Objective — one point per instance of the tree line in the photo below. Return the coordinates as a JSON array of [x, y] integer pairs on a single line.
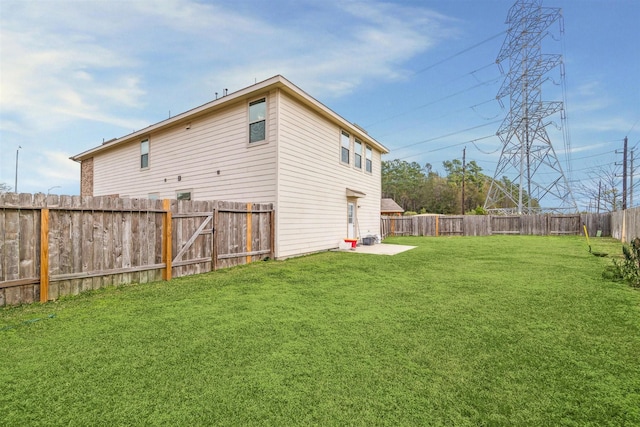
[[420, 189]]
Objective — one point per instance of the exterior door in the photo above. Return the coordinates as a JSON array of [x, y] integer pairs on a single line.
[[351, 220]]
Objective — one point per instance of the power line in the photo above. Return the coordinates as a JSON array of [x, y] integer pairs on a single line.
[[395, 130], [446, 147], [634, 125], [460, 53], [485, 83], [593, 155], [447, 135], [480, 83], [527, 149], [485, 152]]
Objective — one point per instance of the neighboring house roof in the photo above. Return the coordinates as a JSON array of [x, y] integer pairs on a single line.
[[278, 82], [390, 205]]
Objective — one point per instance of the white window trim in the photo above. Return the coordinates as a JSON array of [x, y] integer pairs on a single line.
[[348, 135], [147, 140], [368, 147], [266, 121], [356, 141]]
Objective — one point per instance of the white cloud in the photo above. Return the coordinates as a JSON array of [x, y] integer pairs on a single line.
[[56, 167], [589, 110], [40, 170], [121, 65], [588, 147], [607, 124], [371, 41], [208, 20], [46, 83], [76, 58]]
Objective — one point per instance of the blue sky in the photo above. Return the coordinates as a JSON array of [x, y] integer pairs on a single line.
[[420, 76]]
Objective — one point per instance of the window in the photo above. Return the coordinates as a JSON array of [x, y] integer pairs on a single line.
[[144, 154], [357, 154], [257, 120], [346, 145], [183, 195], [368, 162]]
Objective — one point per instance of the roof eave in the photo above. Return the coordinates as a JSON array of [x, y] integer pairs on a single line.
[[273, 82]]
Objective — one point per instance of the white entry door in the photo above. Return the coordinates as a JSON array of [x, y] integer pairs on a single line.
[[351, 220]]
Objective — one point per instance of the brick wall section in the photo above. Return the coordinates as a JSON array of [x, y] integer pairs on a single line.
[[86, 177]]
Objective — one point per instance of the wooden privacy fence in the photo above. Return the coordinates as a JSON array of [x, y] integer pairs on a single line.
[[52, 245], [625, 225], [485, 225]]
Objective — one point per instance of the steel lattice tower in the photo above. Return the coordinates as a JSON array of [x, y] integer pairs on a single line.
[[528, 161]]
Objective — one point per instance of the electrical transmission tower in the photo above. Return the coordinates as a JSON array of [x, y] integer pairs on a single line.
[[528, 173]]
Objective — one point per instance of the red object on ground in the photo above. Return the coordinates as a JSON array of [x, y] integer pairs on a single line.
[[352, 241]]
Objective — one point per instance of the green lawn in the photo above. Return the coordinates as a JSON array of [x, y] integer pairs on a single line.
[[500, 330]]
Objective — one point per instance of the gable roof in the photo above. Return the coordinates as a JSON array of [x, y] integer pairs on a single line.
[[390, 205], [243, 94]]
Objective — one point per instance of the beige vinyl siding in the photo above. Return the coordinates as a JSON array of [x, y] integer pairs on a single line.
[[312, 201], [213, 142], [298, 168]]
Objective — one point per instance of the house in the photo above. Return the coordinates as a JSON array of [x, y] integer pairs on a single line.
[[389, 207], [267, 143]]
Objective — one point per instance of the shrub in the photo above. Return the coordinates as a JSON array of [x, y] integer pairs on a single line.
[[479, 210], [628, 268]]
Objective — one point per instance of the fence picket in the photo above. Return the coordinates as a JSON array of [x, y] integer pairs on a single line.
[[101, 241], [485, 225]]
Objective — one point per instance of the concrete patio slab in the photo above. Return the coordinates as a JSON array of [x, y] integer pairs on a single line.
[[380, 249]]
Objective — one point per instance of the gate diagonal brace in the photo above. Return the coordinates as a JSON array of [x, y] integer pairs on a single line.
[[193, 238]]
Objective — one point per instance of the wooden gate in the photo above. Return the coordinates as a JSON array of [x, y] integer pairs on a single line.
[[231, 233], [507, 224], [564, 224], [192, 243], [51, 246], [451, 226]]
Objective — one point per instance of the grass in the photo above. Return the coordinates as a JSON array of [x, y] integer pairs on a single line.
[[511, 330]]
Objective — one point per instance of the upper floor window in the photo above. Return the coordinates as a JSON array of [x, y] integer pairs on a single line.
[[357, 154], [368, 162], [257, 120], [144, 154], [345, 147]]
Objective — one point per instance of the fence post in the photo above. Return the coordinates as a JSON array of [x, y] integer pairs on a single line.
[[437, 225], [272, 232], [214, 250], [166, 239], [44, 255], [249, 232]]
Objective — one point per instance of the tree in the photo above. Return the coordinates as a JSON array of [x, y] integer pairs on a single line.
[[439, 196], [402, 182], [602, 189], [475, 182], [4, 188], [417, 188]]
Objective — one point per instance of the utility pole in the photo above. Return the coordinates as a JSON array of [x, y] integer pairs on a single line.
[[624, 175], [631, 182], [464, 166], [15, 187]]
